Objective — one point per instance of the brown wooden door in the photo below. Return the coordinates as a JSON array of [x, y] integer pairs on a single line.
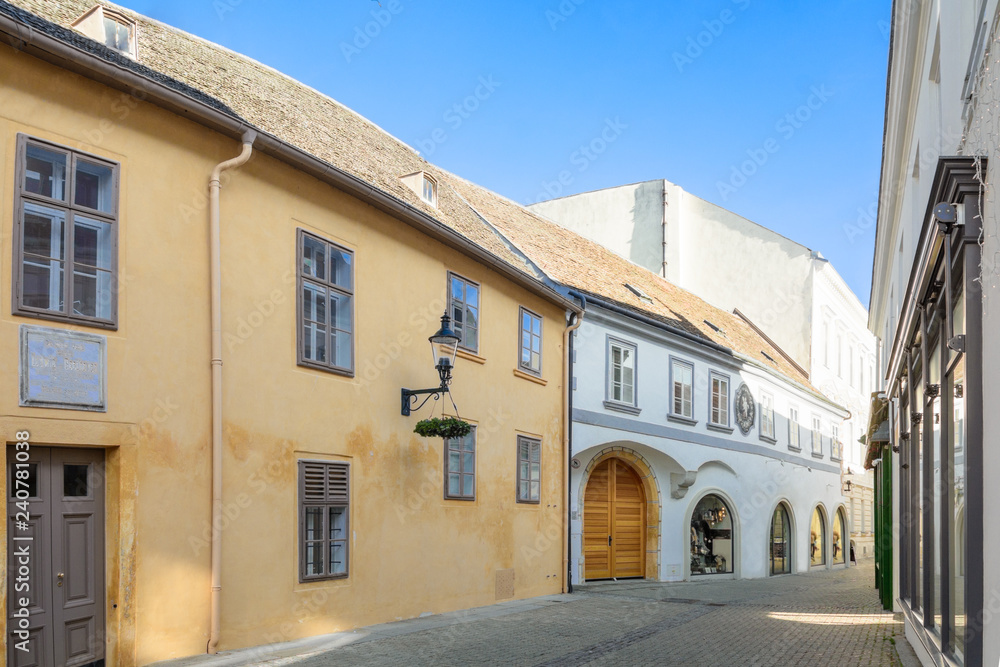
[[614, 523], [65, 508]]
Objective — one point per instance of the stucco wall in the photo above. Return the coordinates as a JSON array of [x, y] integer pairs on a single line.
[[411, 551], [752, 473]]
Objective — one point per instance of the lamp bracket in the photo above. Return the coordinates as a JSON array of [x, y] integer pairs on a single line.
[[409, 397]]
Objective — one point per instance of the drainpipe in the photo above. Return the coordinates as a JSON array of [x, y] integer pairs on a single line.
[[663, 227], [568, 434], [214, 186]]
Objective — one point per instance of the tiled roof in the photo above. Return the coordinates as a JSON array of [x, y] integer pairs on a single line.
[[320, 126]]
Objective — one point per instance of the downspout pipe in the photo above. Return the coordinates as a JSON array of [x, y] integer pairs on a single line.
[[575, 322], [214, 188]]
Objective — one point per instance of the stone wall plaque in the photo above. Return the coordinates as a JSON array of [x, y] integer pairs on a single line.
[[63, 369]]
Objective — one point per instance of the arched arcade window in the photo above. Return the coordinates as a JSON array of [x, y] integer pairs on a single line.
[[840, 538], [817, 538], [712, 536], [781, 541]]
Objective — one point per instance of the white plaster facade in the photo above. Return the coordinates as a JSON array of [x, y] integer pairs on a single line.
[[791, 293], [942, 100], [688, 460]]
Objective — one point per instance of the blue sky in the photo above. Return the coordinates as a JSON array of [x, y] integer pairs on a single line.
[[773, 110]]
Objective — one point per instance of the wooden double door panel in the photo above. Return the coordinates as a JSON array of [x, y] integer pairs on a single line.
[[55, 557], [614, 523]]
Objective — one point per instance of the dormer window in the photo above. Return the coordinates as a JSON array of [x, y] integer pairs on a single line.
[[110, 28], [429, 191]]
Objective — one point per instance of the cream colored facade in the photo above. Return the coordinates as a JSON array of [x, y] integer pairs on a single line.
[[411, 551]]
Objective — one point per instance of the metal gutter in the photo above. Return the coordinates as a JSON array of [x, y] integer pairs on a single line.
[[24, 38]]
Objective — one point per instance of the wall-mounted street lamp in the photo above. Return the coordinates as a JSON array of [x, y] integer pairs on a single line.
[[444, 346], [847, 487]]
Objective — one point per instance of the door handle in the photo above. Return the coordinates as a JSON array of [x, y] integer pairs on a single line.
[[59, 578], [609, 540]]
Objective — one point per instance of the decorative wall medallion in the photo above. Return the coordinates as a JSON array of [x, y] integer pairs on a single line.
[[746, 409]]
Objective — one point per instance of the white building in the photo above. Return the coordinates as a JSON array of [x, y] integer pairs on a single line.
[[737, 465], [788, 292], [933, 306]]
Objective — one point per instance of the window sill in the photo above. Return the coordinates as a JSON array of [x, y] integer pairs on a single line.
[[836, 458], [793, 448], [817, 456], [682, 420], [529, 503], [342, 372], [622, 407], [460, 499], [471, 356], [320, 580], [767, 438], [529, 377], [719, 427], [107, 325]]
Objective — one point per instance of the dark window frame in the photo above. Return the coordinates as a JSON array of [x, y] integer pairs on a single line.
[[533, 444], [70, 210], [522, 311], [328, 285], [327, 503], [462, 473], [459, 327]]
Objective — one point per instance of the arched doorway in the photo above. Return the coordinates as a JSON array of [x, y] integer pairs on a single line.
[[840, 537], [817, 538], [614, 522], [712, 537], [781, 541]]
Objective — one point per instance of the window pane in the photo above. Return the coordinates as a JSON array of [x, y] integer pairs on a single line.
[[342, 349], [314, 523], [457, 290], [523, 491], [535, 490], [454, 461], [341, 268], [469, 442], [92, 292], [75, 480], [340, 312], [454, 485], [43, 231], [472, 297], [94, 186], [468, 462], [313, 303], [45, 172], [338, 557], [313, 258], [44, 250], [956, 453], [536, 452], [536, 472], [314, 558], [314, 342], [467, 485], [523, 472], [92, 242], [536, 326], [338, 523]]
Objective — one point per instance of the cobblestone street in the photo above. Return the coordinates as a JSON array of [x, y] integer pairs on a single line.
[[814, 619]]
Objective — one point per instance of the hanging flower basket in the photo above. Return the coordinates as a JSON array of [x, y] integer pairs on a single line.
[[447, 427]]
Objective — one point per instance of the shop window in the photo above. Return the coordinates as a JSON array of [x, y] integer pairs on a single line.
[[324, 503], [817, 538], [781, 541], [66, 235], [840, 537], [712, 536]]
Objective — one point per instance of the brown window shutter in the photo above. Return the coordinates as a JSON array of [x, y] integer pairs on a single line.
[[313, 483], [337, 491]]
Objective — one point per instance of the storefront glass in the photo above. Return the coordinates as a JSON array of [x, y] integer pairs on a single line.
[[712, 536], [781, 541], [840, 537], [957, 466], [817, 538], [937, 485], [917, 434]]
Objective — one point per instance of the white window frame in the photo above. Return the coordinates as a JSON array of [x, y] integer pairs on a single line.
[[611, 401], [767, 417], [793, 428], [425, 182], [817, 436], [713, 376], [673, 413], [835, 445]]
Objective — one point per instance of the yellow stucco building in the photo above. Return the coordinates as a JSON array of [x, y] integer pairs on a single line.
[[339, 249]]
